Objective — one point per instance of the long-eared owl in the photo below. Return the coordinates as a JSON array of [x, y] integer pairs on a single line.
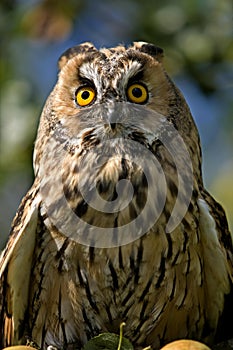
[[118, 225]]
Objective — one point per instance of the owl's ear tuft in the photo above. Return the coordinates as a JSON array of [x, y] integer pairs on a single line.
[[150, 49], [73, 51]]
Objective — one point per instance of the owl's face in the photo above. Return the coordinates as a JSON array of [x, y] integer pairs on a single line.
[[116, 75], [91, 81], [110, 110]]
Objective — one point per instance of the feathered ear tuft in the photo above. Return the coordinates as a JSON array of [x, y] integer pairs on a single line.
[[150, 49], [73, 51]]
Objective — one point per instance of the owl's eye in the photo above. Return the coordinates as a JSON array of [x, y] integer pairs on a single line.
[[85, 95], [137, 93]]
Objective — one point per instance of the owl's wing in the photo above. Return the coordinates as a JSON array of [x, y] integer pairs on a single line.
[[214, 223], [15, 267]]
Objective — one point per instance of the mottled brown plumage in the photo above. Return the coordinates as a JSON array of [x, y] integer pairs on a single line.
[[117, 225]]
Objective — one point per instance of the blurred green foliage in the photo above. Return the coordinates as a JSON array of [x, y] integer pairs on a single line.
[[197, 37]]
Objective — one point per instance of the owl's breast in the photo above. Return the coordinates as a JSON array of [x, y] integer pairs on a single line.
[[112, 195]]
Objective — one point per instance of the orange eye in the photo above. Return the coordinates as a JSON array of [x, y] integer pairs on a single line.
[[85, 95], [137, 93]]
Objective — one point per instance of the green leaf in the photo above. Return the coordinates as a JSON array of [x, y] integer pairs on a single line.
[[108, 341]]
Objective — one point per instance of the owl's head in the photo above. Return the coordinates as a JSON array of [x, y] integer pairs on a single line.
[[135, 74], [116, 86], [90, 79]]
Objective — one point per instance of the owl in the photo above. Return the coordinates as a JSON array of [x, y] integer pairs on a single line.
[[117, 226]]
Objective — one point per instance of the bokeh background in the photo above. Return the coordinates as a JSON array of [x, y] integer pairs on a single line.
[[197, 36]]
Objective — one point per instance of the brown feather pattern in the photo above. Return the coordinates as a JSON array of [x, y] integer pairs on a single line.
[[78, 261]]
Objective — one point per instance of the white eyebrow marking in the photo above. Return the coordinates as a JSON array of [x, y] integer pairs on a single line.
[[89, 70], [131, 70], [110, 74]]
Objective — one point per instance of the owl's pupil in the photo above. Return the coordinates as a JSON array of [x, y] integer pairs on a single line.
[[137, 92], [85, 95]]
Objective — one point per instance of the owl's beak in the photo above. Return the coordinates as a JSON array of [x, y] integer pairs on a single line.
[[112, 117], [113, 126]]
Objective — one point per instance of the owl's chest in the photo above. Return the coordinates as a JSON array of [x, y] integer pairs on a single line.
[[78, 292]]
